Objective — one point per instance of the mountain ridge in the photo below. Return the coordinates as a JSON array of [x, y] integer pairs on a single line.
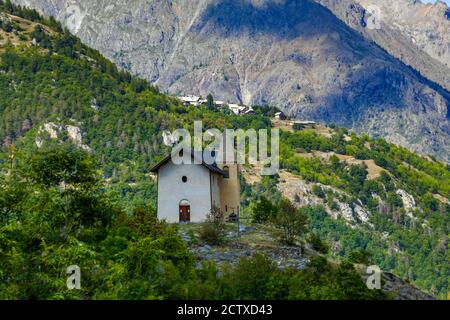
[[293, 54], [399, 37]]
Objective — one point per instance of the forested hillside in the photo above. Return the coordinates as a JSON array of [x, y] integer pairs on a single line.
[[78, 138], [314, 59]]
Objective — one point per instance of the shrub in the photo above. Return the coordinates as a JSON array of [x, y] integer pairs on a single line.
[[360, 256], [256, 278], [213, 229], [264, 211], [298, 126], [334, 206], [317, 243], [145, 222], [291, 220], [318, 191]]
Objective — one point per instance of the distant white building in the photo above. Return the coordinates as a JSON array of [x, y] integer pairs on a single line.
[[305, 123], [237, 109], [280, 116], [191, 100], [188, 192], [249, 110]]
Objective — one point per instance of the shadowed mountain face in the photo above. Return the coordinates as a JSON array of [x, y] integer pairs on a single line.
[[414, 32], [294, 54], [282, 20]]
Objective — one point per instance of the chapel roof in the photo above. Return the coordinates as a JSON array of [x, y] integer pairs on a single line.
[[197, 155]]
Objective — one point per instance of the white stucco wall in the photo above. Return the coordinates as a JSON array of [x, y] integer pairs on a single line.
[[197, 190], [215, 190]]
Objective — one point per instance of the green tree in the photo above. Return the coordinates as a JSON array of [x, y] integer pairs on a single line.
[[210, 102], [361, 256], [256, 278], [213, 229], [65, 167], [317, 243], [291, 220], [318, 191], [264, 211]]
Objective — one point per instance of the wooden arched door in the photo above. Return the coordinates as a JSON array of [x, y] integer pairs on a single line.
[[185, 211]]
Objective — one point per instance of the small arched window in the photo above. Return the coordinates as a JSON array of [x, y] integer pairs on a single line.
[[184, 179], [227, 171]]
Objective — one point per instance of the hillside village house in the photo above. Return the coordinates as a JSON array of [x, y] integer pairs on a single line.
[[196, 101], [238, 109], [305, 123], [249, 110], [192, 100], [188, 192], [280, 116]]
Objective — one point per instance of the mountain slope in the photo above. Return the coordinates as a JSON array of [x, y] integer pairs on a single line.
[[56, 213], [293, 54], [358, 192], [425, 25], [412, 32]]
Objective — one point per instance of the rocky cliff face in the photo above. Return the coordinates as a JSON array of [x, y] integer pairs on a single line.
[[294, 54], [425, 25], [411, 31]]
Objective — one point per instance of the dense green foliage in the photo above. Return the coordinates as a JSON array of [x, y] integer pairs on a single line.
[[94, 215], [317, 243], [29, 14], [423, 239], [264, 211], [423, 258], [53, 221]]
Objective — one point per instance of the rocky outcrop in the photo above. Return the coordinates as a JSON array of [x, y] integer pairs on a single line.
[[402, 290], [301, 194], [57, 131], [346, 212], [424, 25], [258, 240], [294, 54], [408, 202], [362, 214]]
